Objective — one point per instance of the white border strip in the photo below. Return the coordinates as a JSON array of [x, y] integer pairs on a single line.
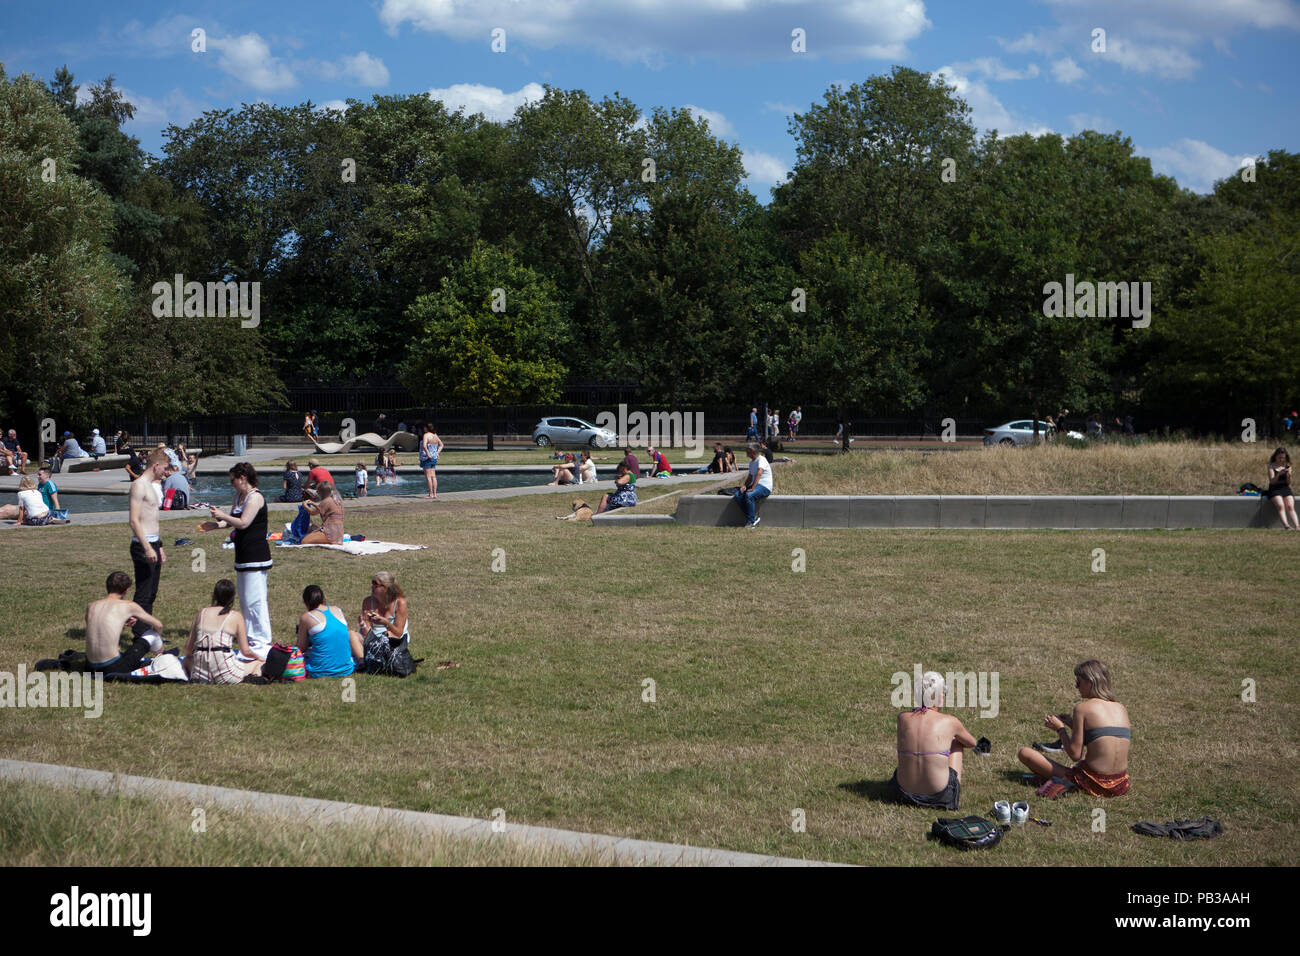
[[331, 812]]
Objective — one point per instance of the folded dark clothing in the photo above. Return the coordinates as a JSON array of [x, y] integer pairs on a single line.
[[1202, 829]]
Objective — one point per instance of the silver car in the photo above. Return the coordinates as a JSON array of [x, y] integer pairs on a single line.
[[573, 432], [1017, 433]]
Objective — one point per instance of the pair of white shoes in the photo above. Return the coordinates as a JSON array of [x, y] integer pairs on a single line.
[[1017, 812]]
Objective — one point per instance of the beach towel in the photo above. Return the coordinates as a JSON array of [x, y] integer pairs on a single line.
[[361, 547]]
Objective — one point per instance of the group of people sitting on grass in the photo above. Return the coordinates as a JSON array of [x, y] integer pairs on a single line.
[[573, 471], [218, 649], [1095, 737], [38, 501]]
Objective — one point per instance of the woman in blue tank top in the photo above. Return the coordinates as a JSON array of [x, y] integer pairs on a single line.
[[329, 649]]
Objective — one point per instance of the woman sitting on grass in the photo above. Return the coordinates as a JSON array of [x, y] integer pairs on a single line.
[[930, 745], [1100, 725], [218, 638], [1279, 488], [624, 493], [329, 649], [384, 612], [291, 482], [328, 506]]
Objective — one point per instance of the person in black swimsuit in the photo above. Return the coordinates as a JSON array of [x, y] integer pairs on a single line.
[[1279, 488]]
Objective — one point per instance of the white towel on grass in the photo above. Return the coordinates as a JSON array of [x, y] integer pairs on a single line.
[[362, 547]]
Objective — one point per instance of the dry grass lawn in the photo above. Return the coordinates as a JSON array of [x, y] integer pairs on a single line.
[[771, 687]]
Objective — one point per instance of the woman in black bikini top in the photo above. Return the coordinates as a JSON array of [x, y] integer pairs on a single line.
[[1279, 488]]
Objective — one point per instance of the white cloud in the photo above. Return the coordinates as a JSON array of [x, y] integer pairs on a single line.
[[175, 107], [248, 58], [360, 68], [1082, 121], [165, 37], [339, 105], [987, 111], [763, 171], [1194, 163], [495, 104], [719, 126], [1167, 61], [992, 68], [1067, 71], [366, 69], [786, 109], [647, 30], [1207, 17]]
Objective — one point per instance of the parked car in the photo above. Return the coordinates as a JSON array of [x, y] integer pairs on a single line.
[[1016, 433], [573, 431]]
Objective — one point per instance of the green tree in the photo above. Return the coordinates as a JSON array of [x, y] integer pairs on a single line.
[[1231, 344], [493, 334], [871, 162], [59, 288], [861, 341], [677, 296]]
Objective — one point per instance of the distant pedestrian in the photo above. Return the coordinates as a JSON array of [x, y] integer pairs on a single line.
[[430, 449], [752, 434]]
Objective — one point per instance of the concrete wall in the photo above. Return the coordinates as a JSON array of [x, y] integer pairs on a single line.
[[985, 511]]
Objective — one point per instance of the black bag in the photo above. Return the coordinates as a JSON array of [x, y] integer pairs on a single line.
[[966, 833], [277, 659], [383, 658]]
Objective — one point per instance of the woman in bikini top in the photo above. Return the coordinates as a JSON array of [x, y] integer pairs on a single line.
[[926, 733]]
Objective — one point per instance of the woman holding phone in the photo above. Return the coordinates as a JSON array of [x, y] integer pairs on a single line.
[[1279, 488]]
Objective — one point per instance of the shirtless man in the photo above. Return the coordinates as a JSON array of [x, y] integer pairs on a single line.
[[930, 747], [104, 621], [146, 545]]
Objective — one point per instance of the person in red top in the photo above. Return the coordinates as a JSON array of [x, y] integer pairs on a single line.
[[317, 473], [659, 464]]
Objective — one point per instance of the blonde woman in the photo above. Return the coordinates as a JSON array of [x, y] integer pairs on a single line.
[[328, 506], [384, 612], [930, 745], [1099, 726], [32, 509]]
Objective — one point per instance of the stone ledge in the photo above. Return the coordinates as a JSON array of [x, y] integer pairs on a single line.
[[1097, 512]]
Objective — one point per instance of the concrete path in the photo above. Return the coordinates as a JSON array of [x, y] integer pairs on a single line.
[[334, 813]]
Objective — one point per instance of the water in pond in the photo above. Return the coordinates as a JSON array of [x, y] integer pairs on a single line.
[[211, 489]]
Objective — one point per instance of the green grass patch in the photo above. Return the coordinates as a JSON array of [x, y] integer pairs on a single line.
[[772, 687]]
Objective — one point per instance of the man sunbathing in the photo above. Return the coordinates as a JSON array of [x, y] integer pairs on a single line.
[[930, 745], [1100, 725], [105, 619]]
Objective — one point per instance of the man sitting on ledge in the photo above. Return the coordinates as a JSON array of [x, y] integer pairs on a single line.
[[756, 487]]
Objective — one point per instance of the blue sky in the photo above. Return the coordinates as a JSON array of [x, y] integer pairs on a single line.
[[1198, 85]]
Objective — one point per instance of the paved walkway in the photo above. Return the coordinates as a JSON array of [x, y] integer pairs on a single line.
[[334, 813]]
